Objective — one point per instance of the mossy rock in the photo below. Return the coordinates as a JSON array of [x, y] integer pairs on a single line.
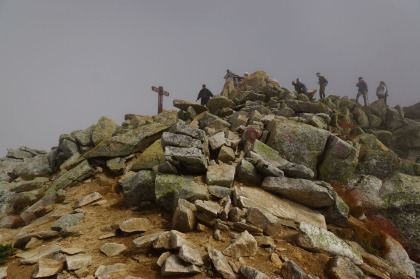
[[379, 163], [411, 168], [151, 157]]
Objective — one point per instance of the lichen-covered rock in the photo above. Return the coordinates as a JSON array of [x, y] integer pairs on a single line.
[[412, 112], [116, 165], [299, 143], [394, 119], [320, 240], [340, 160], [103, 130], [361, 118], [212, 121], [190, 159], [135, 140], [139, 187], [409, 167], [219, 105], [398, 257], [343, 268], [309, 107], [379, 163], [170, 187], [247, 173], [151, 157], [302, 191], [407, 137], [183, 129], [379, 109], [184, 105], [67, 221], [291, 270], [338, 213], [179, 140]]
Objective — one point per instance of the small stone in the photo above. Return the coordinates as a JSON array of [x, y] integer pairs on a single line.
[[67, 221], [104, 271], [113, 249], [245, 245], [3, 272], [183, 219], [78, 261], [163, 258], [208, 207], [217, 235], [291, 270], [221, 264], [32, 257], [33, 243], [81, 273], [135, 225], [190, 255], [47, 267], [275, 259], [175, 266], [171, 240], [108, 235], [143, 243], [251, 273], [201, 227], [71, 251]]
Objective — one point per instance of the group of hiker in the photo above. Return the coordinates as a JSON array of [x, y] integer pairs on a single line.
[[381, 91]]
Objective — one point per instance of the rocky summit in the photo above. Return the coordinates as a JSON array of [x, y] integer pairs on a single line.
[[265, 182]]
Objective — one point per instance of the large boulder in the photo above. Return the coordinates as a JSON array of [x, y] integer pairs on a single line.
[[221, 175], [103, 130], [395, 118], [169, 187], [302, 191], [398, 257], [135, 140], [379, 163], [412, 112], [188, 159], [320, 240], [379, 109], [139, 187], [299, 143], [361, 117], [340, 160], [219, 105], [407, 137], [309, 107], [184, 105], [151, 157]]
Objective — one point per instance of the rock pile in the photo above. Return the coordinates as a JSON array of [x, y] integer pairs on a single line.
[[259, 164]]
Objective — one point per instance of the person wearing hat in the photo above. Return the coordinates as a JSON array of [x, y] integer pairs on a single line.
[[245, 76], [205, 95], [323, 82], [362, 90], [382, 91]]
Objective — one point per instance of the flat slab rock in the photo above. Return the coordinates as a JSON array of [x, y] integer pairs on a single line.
[[25, 238], [32, 257], [175, 266], [281, 207], [252, 273], [47, 267], [221, 264], [113, 249], [67, 221], [221, 175], [135, 225], [78, 261], [106, 270], [243, 246], [87, 199]]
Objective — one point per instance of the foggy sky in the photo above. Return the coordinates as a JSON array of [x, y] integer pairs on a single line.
[[63, 64]]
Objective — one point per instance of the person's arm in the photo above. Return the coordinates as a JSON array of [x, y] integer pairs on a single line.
[[367, 90], [199, 96], [211, 94]]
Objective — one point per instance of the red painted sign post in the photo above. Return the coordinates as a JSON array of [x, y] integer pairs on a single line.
[[161, 93]]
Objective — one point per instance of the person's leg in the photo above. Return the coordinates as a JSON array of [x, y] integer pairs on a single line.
[[365, 98], [357, 97], [385, 99], [322, 91]]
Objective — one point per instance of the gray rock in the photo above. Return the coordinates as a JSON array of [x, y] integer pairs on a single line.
[[338, 213], [143, 243], [263, 219], [226, 154], [212, 121], [379, 163], [103, 130], [251, 273], [217, 140], [22, 240], [171, 240], [33, 256], [398, 257], [184, 105], [47, 267], [209, 207], [175, 266], [113, 249], [87, 199], [244, 246], [320, 240], [169, 188], [219, 192], [38, 165], [221, 175], [268, 169], [297, 171], [180, 140], [116, 165], [162, 258], [299, 143], [67, 221], [343, 268], [25, 186], [183, 219], [195, 133], [139, 187], [236, 214], [247, 173], [190, 255], [78, 261], [135, 225], [299, 106], [302, 191], [237, 120], [291, 270], [221, 264], [191, 159], [107, 270]]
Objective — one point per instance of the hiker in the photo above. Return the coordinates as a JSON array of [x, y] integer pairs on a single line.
[[322, 81], [363, 90], [382, 91], [300, 87], [204, 95], [246, 74]]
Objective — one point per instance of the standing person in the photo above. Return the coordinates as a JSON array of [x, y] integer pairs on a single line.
[[204, 95], [363, 90], [246, 74], [323, 82], [382, 91]]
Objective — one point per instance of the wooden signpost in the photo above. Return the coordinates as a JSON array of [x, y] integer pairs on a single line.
[[161, 93]]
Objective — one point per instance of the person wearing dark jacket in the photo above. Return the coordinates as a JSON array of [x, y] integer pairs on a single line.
[[323, 82], [299, 86], [362, 90], [204, 95]]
